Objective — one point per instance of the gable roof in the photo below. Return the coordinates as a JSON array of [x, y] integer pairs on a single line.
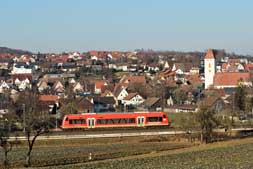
[[118, 88], [210, 101], [130, 96], [104, 100], [230, 78], [81, 104], [151, 101]]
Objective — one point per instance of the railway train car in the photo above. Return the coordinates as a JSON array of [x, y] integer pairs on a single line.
[[109, 120]]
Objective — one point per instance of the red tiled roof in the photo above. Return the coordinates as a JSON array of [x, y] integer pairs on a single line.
[[48, 98], [93, 53], [248, 66], [230, 78], [230, 67], [98, 83], [209, 54], [233, 61], [135, 79]]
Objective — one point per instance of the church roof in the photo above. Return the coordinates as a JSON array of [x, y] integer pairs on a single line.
[[209, 54], [230, 78]]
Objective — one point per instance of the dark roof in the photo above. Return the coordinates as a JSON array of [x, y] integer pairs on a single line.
[[151, 101], [184, 107], [104, 100]]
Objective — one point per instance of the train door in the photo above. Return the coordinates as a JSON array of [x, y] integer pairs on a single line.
[[140, 120], [91, 122]]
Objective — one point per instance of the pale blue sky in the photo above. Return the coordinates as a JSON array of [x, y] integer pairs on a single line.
[[70, 25]]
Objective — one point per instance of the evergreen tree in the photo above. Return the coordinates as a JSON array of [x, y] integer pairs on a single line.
[[240, 98], [206, 121]]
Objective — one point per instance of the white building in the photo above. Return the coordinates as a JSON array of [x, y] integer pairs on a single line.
[[210, 67], [133, 99], [21, 70]]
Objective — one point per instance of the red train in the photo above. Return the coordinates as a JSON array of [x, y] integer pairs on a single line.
[[102, 120]]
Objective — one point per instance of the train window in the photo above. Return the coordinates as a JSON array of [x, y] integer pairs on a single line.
[[154, 119], [164, 116], [67, 119], [77, 121], [110, 121], [132, 120], [116, 121]]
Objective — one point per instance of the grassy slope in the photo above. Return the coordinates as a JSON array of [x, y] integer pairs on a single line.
[[231, 154]]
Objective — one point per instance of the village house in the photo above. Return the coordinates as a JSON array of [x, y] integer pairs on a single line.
[[182, 108], [152, 104], [49, 103], [4, 86], [98, 85], [104, 104], [133, 99], [78, 88], [22, 81], [58, 88], [79, 105], [21, 68], [120, 92], [4, 64], [42, 85], [214, 102]]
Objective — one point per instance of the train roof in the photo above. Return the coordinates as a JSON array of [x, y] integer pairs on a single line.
[[101, 113]]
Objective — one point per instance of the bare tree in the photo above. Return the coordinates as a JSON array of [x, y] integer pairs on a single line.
[[5, 143], [188, 123], [33, 130], [35, 121]]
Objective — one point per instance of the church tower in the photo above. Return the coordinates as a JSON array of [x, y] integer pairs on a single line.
[[209, 68]]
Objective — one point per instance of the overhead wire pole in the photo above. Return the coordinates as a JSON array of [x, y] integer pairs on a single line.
[[24, 117]]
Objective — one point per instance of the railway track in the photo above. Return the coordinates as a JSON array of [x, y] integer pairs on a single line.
[[111, 130], [104, 135], [89, 134]]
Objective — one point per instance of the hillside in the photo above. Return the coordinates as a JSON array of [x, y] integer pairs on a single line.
[[13, 51]]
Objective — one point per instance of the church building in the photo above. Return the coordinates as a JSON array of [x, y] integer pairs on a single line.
[[221, 80]]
